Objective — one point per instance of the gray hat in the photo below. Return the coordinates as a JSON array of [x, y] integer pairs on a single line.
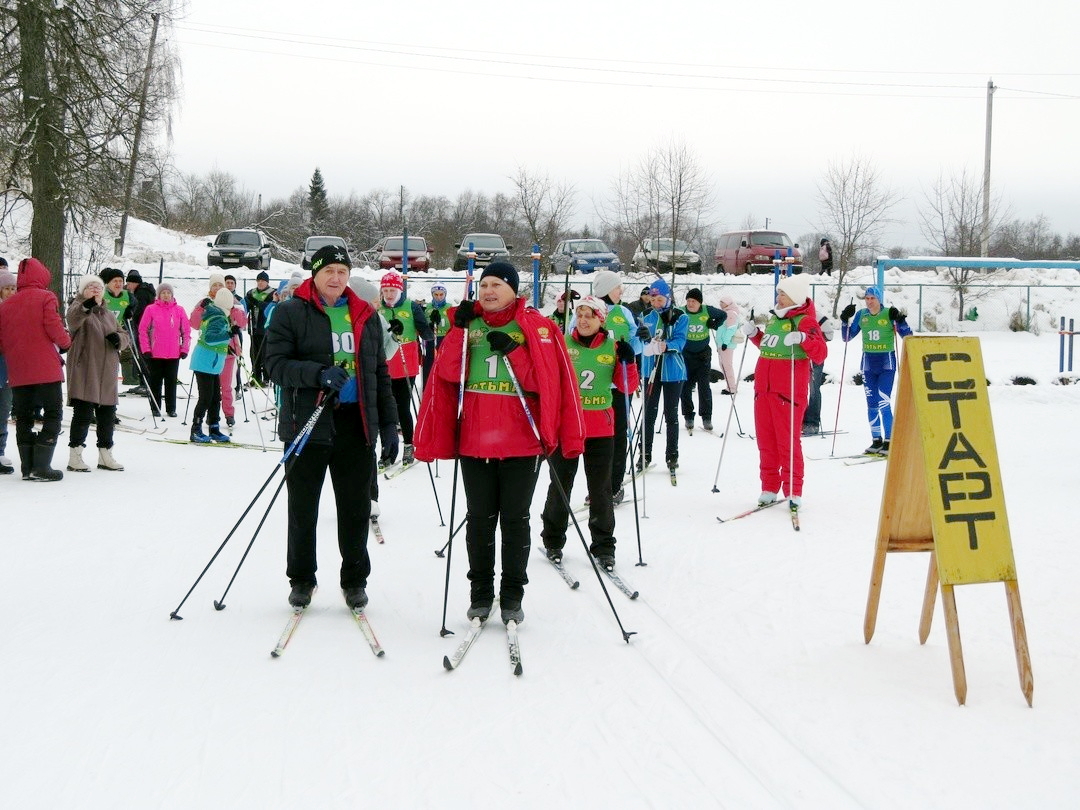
[[604, 282]]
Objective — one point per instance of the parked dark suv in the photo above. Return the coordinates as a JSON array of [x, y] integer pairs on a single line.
[[313, 243], [488, 247], [239, 247], [750, 251]]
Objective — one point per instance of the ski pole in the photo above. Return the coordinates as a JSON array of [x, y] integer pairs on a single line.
[[136, 359], [457, 460], [562, 493], [791, 429], [633, 478], [187, 407], [840, 391], [441, 551], [727, 427], [296, 446]]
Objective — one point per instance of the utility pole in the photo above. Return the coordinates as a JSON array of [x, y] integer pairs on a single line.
[[985, 236], [136, 138]]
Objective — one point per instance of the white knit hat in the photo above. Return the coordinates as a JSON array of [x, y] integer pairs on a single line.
[[223, 300], [604, 282], [797, 288], [86, 281], [596, 305], [216, 278]]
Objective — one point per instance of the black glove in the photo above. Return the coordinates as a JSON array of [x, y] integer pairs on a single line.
[[436, 317], [396, 327], [146, 358], [129, 313], [643, 333], [716, 321], [723, 347], [669, 316], [847, 313], [113, 339], [574, 295], [89, 303], [624, 352], [183, 355], [501, 343], [715, 376], [464, 314], [897, 315], [333, 378], [388, 435]]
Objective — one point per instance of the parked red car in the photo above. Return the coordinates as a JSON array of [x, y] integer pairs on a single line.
[[390, 250], [753, 251]]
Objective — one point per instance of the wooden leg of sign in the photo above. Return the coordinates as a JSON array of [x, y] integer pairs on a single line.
[[877, 573], [956, 652], [929, 600], [1016, 618]]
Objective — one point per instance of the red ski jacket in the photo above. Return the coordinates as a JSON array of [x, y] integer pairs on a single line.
[[495, 425], [31, 330]]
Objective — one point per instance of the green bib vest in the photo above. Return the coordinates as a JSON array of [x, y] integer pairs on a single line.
[[487, 372], [595, 369], [772, 342], [878, 332]]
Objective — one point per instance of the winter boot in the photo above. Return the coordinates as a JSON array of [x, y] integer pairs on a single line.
[[707, 424], [644, 462], [355, 598], [6, 467], [407, 456], [300, 595], [26, 460], [42, 467], [875, 446], [75, 459], [217, 436], [765, 498], [511, 611], [480, 609], [617, 496], [197, 434], [105, 460], [230, 421], [672, 461], [689, 423]]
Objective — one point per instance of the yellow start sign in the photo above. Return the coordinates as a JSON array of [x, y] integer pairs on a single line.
[[960, 463]]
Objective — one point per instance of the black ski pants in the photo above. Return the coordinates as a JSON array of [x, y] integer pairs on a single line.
[[597, 457], [618, 448], [103, 417], [498, 491], [402, 388], [25, 400], [163, 376], [671, 392], [350, 460], [209, 403], [698, 365]]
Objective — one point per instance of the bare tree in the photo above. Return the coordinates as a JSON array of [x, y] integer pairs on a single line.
[[70, 82], [855, 208], [546, 206]]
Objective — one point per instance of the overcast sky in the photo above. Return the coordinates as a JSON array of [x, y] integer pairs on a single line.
[[440, 97]]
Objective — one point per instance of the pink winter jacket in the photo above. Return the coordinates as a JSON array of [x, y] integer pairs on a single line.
[[164, 331]]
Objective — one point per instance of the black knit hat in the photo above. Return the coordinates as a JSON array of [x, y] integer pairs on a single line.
[[109, 273], [263, 276], [133, 277], [329, 254], [695, 293], [645, 291], [503, 271]]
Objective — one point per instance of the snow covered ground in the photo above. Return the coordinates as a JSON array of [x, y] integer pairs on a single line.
[[747, 683]]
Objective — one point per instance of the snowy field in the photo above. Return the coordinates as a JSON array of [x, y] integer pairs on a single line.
[[746, 685]]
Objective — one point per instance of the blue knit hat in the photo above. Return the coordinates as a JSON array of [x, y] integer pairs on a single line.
[[660, 287], [874, 291]]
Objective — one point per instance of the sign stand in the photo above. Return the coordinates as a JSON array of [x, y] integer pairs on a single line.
[[943, 493]]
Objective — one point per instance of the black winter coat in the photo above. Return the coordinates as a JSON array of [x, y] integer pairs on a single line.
[[298, 347]]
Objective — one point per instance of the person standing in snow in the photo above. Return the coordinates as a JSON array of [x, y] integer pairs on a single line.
[[622, 325], [606, 373], [879, 329], [229, 379], [726, 335], [664, 370], [326, 342], [440, 325], [7, 289], [32, 337], [498, 452], [164, 340], [789, 343], [811, 425], [93, 363], [207, 361], [825, 256], [409, 325], [257, 300], [702, 319]]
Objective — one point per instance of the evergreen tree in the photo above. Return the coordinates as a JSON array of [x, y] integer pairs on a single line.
[[317, 201]]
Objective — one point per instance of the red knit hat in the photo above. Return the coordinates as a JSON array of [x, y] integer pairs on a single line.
[[392, 280]]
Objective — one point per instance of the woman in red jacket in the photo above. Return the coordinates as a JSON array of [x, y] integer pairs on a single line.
[[31, 333], [486, 426], [790, 342]]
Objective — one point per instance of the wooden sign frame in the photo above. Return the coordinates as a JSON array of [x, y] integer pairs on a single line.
[[943, 493]]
